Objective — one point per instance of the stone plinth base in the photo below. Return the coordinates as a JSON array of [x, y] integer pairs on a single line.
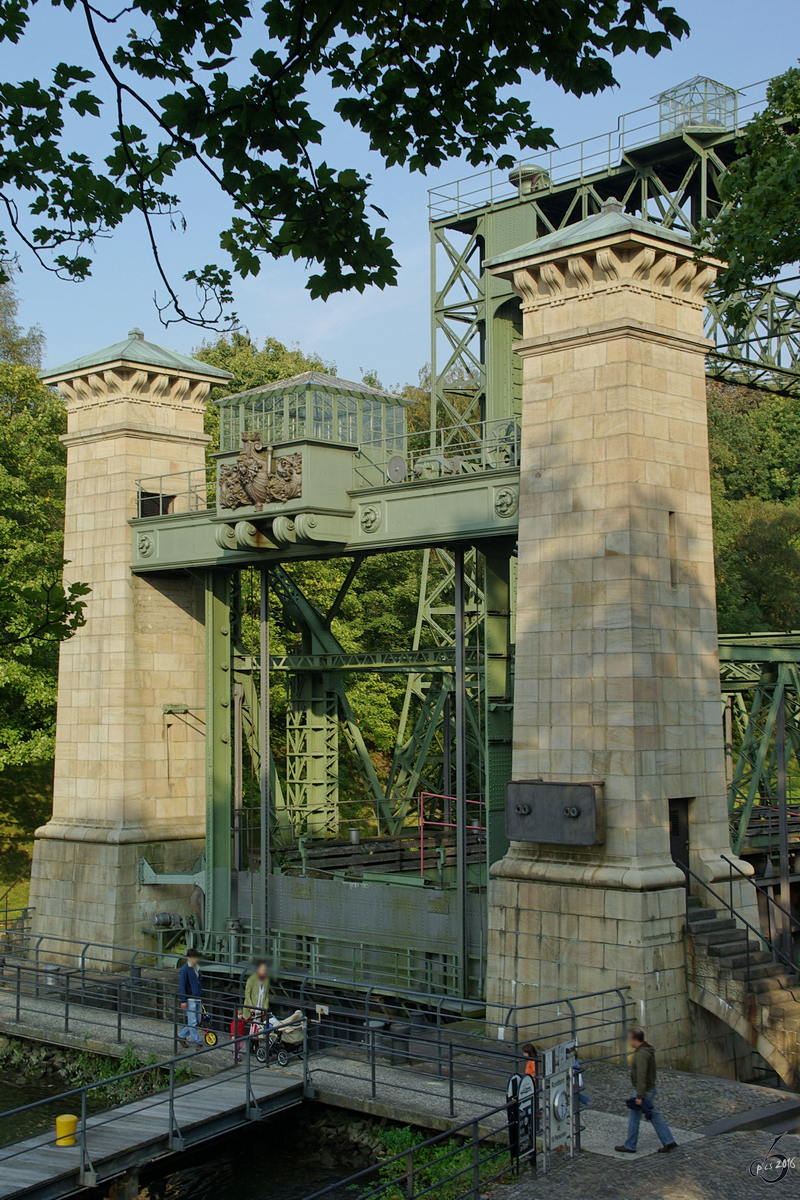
[[551, 940], [89, 891]]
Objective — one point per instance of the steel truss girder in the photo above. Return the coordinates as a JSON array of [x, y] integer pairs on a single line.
[[753, 691], [674, 183], [407, 771]]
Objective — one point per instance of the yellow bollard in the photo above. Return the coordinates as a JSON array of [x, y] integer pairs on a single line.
[[65, 1130]]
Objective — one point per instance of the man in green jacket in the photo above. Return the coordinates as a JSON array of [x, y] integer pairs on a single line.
[[643, 1078], [256, 992]]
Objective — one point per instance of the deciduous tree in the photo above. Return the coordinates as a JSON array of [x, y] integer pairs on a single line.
[[227, 88], [757, 232]]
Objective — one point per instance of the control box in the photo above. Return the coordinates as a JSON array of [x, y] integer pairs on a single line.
[[563, 814]]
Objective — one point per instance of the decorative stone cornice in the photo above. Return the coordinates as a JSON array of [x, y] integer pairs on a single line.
[[628, 262], [147, 385], [150, 433]]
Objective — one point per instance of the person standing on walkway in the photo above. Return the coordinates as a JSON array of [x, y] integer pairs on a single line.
[[643, 1078], [190, 995], [256, 992]]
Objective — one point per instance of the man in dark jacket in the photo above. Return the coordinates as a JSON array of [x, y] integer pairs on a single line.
[[643, 1078], [190, 995]]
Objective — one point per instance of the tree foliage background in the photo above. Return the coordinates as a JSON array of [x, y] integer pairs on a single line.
[[757, 231], [35, 613]]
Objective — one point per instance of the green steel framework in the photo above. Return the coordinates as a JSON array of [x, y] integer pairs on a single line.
[[661, 168]]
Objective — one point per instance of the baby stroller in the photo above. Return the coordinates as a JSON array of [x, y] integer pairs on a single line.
[[280, 1039]]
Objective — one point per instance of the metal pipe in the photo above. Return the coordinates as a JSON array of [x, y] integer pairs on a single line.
[[476, 1161], [447, 760], [171, 1141], [783, 823], [82, 1174], [238, 780], [266, 865], [247, 1074], [461, 770], [728, 723]]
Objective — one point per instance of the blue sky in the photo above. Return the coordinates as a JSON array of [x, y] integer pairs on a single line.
[[734, 41]]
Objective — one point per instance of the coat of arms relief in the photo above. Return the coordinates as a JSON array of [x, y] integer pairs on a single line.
[[251, 479]]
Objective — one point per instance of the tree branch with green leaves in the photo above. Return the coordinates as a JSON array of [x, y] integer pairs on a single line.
[[225, 87], [757, 231]]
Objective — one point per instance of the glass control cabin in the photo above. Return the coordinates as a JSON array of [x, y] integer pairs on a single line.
[[313, 405]]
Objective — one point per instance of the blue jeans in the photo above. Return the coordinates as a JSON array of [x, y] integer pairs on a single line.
[[191, 1029], [659, 1124]]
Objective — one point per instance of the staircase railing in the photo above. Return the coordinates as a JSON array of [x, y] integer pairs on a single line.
[[764, 892], [778, 955]]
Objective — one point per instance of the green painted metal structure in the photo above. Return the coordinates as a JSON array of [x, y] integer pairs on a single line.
[[358, 483], [756, 670]]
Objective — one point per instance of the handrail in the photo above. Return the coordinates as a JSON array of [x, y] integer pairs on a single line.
[[86, 1171], [759, 887], [431, 1141], [11, 886], [440, 1002], [758, 932], [558, 1000]]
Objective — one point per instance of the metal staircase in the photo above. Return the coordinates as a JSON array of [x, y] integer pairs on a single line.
[[754, 990]]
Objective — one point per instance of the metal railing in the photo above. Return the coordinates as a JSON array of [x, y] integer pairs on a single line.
[[179, 492], [399, 1053], [576, 162], [84, 971], [777, 954], [445, 821], [468, 1156], [14, 921], [87, 1173], [24, 874], [762, 890], [324, 961], [72, 1001], [591, 1019], [438, 453]]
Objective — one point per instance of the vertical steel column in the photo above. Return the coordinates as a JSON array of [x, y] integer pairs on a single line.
[[783, 821], [238, 703], [218, 749], [266, 864], [498, 699], [447, 758], [728, 728], [461, 770]]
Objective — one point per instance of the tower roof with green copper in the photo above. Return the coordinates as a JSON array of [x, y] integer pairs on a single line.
[[611, 221], [134, 349]]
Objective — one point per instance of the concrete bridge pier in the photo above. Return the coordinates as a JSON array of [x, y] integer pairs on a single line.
[[617, 674]]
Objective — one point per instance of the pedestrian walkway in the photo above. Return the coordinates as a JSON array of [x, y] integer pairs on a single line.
[[703, 1169], [100, 1030]]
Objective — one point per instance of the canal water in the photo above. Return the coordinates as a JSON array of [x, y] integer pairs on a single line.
[[30, 1123], [266, 1162]]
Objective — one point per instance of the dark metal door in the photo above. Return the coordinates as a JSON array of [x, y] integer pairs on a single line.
[[679, 831]]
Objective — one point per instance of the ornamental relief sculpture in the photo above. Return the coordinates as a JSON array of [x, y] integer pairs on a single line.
[[251, 480]]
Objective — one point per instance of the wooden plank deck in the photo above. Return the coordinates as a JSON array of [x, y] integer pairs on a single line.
[[135, 1133]]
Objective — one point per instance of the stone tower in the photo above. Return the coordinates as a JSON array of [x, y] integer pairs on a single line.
[[129, 779], [617, 673]]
